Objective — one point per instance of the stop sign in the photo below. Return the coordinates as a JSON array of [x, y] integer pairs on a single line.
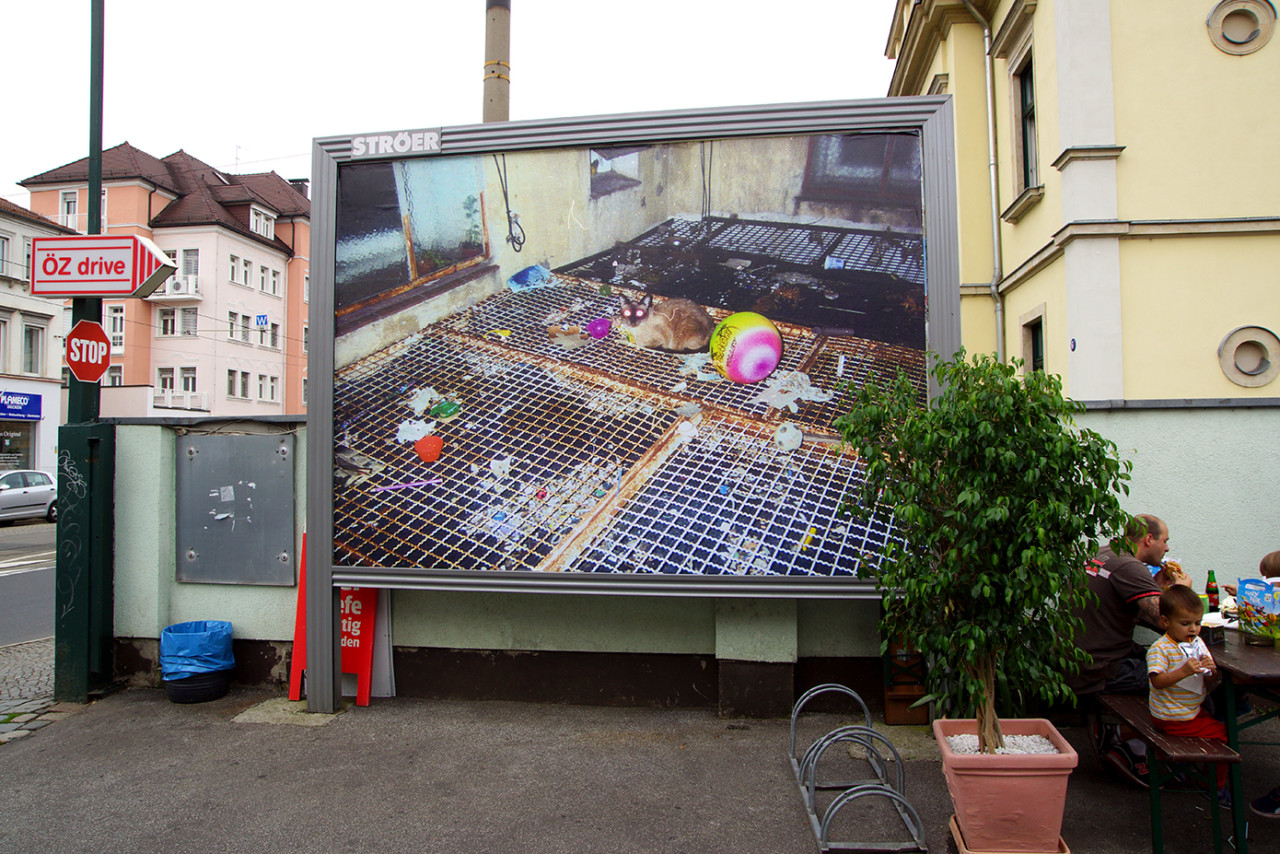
[[88, 351]]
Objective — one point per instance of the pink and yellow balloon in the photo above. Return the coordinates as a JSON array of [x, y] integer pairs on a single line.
[[746, 347]]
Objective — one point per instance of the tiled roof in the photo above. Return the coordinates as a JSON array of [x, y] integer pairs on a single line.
[[8, 208], [123, 161], [206, 196]]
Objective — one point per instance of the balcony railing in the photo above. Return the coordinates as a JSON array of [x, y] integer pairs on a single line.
[[179, 288], [167, 398]]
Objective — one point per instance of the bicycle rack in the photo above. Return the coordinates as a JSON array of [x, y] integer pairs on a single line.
[[882, 786]]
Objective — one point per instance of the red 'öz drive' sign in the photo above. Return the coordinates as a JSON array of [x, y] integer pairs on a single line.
[[97, 265]]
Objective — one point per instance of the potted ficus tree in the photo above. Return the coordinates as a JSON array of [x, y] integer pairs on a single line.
[[1000, 499]]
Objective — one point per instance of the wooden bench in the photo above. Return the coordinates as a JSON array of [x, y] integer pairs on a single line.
[[1163, 751]]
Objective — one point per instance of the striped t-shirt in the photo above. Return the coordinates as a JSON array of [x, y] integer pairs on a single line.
[[1180, 701]]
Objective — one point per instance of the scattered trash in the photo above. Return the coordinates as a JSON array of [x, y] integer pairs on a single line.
[[423, 399], [500, 467], [737, 263], [435, 481], [352, 468], [498, 333], [412, 431], [541, 494], [784, 388], [840, 365], [688, 410], [686, 432], [599, 328], [788, 437], [680, 386], [428, 448], [570, 338], [808, 538], [605, 290], [530, 278], [445, 410]]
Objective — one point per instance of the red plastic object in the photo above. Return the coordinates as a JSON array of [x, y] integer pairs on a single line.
[[428, 448]]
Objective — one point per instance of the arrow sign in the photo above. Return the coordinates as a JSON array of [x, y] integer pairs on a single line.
[[97, 265]]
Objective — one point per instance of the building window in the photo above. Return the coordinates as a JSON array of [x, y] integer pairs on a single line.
[[25, 272], [68, 209], [32, 349], [188, 379], [1033, 339], [306, 287], [275, 282], [235, 269], [263, 223], [238, 326], [164, 379], [1027, 153], [4, 344], [191, 262], [237, 383], [115, 375], [304, 391], [305, 337], [262, 279], [115, 327], [262, 386], [190, 321], [272, 390], [269, 336], [247, 278], [4, 257], [168, 321]]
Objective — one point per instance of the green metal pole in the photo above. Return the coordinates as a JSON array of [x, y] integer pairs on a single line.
[[83, 617]]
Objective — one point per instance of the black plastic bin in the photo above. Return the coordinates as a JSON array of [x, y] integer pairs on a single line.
[[196, 660]]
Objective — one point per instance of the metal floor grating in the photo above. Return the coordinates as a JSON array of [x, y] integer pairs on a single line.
[[603, 458], [726, 501], [897, 254]]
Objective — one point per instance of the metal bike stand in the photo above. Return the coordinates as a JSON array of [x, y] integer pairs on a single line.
[[806, 771]]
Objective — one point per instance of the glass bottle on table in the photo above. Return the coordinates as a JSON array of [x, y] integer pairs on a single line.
[[1211, 592]]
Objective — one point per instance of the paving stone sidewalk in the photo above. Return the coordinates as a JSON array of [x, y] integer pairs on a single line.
[[26, 690]]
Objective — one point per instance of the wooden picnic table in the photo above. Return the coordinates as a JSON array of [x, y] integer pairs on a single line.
[[1257, 668]]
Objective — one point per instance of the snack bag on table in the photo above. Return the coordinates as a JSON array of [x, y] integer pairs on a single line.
[[1259, 610]]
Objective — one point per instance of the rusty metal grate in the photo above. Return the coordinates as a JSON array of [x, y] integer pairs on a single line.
[[728, 502], [531, 453], [897, 254], [601, 458]]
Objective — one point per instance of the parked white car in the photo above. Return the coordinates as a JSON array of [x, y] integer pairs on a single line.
[[28, 495]]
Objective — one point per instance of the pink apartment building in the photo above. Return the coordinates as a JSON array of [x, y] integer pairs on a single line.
[[226, 335]]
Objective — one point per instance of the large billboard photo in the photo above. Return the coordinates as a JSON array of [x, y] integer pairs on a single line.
[[614, 348]]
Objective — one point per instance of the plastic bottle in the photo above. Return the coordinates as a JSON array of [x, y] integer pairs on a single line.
[[1211, 591]]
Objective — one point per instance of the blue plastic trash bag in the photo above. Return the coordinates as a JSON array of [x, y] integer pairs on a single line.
[[529, 278], [201, 646]]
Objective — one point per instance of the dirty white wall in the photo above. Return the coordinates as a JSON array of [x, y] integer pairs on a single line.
[[1211, 474]]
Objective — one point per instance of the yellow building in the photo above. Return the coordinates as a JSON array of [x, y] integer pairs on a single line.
[[1119, 221]]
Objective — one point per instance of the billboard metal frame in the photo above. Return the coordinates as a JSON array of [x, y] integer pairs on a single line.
[[929, 116]]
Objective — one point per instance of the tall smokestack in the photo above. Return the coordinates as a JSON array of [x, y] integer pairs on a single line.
[[497, 60]]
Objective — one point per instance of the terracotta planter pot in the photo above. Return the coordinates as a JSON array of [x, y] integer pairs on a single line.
[[1008, 802]]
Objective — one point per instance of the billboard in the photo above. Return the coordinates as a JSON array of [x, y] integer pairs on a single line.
[[512, 382]]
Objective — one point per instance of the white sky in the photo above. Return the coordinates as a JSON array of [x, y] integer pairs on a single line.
[[245, 85]]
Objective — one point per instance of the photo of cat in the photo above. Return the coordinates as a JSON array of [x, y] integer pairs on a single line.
[[674, 325]]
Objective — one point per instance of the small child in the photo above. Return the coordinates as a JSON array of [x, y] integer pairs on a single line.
[[1268, 567], [1181, 671]]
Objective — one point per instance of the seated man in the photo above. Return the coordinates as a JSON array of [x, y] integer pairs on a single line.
[[1127, 595]]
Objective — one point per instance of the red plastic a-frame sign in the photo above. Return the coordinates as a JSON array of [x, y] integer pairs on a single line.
[[359, 616]]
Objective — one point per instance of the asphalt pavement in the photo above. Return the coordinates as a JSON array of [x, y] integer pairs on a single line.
[[252, 772]]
